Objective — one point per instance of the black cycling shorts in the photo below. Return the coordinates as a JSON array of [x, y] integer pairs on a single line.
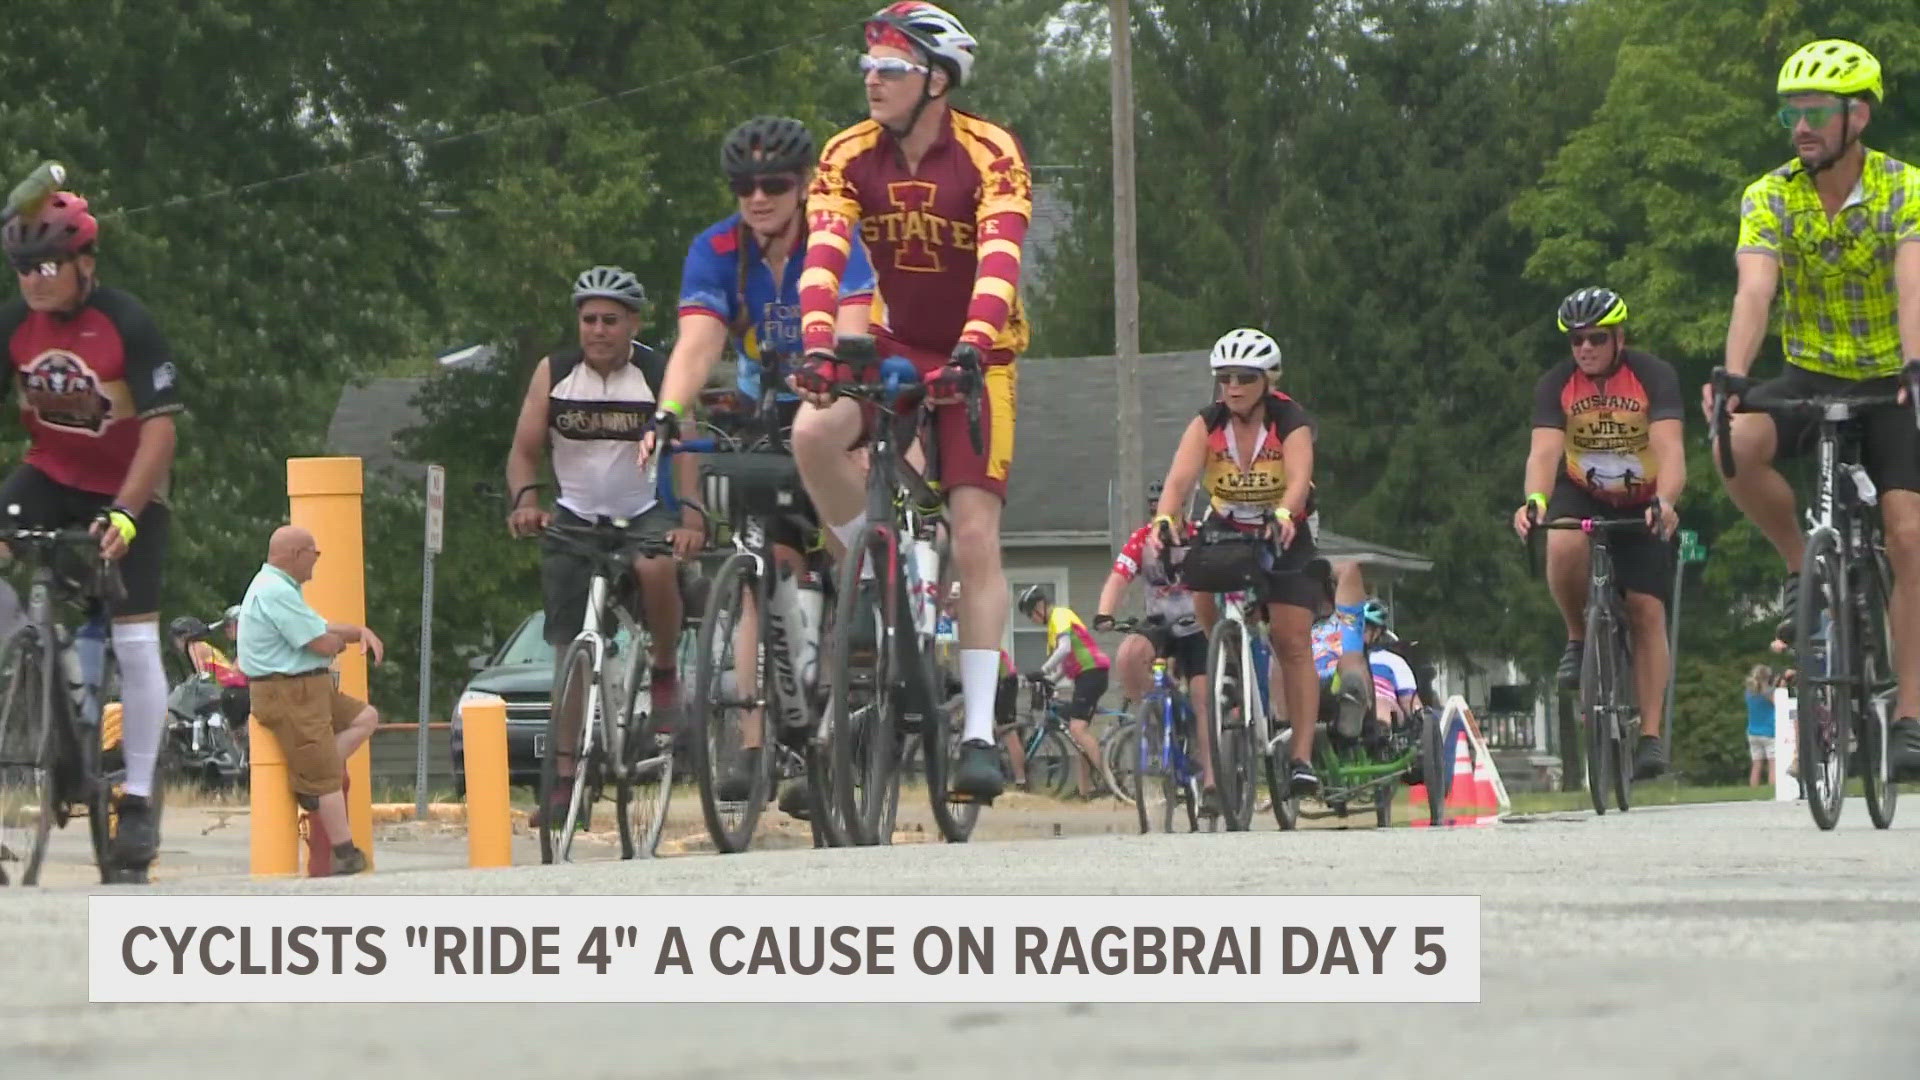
[[47, 504], [1088, 687], [1642, 562], [566, 576], [1187, 655], [1890, 445]]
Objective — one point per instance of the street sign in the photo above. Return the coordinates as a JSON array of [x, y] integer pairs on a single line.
[[1691, 550], [436, 507]]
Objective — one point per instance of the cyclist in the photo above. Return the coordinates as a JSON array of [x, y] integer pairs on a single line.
[[1253, 449], [1833, 230], [591, 402], [1340, 651], [98, 394], [1621, 405], [741, 280], [1396, 692], [1181, 639], [943, 199], [1072, 654]]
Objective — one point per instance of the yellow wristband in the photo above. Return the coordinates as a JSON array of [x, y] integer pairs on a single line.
[[1283, 512], [673, 407], [1537, 500], [122, 523]]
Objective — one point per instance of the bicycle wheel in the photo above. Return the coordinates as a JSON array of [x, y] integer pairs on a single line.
[[1153, 794], [1826, 693], [1877, 685], [643, 786], [101, 823], [1120, 757], [863, 744], [721, 708], [1596, 704], [1049, 760], [575, 699], [1625, 728], [28, 753], [1230, 717], [1436, 767]]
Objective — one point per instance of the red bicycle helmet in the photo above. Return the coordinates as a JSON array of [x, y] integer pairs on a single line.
[[63, 227]]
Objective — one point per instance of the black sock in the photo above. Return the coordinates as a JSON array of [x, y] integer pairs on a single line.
[[343, 848]]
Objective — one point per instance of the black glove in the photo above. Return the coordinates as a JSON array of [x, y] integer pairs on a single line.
[[953, 382], [1103, 622]]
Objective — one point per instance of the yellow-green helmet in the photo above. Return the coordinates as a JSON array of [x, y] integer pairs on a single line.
[[1831, 66], [1591, 306]]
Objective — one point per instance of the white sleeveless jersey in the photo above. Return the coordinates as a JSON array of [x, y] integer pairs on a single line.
[[594, 423]]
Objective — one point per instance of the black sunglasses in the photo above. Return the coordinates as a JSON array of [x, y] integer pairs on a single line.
[[1591, 337], [1237, 378], [604, 318], [773, 185], [45, 265]]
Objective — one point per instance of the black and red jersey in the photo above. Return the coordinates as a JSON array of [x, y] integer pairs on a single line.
[[86, 379], [1608, 423]]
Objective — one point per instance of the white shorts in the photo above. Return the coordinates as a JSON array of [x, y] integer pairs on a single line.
[[1760, 747]]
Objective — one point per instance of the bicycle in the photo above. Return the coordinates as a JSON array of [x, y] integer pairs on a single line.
[[1046, 744], [1842, 637], [50, 753], [883, 691], [1607, 698], [1165, 772], [608, 746]]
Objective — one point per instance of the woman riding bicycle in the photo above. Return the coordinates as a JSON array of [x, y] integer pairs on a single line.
[[1253, 448]]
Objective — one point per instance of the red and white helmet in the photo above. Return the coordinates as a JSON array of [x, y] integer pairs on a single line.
[[928, 28]]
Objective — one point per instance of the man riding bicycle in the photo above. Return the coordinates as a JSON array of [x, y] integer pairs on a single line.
[[1603, 407], [591, 403], [1253, 448], [1834, 231], [1175, 631], [943, 199], [98, 393], [1072, 654], [741, 280]]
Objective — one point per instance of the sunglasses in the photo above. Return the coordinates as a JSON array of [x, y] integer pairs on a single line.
[[891, 67], [1238, 378], [1591, 337], [744, 186], [25, 266], [1816, 116], [601, 319]]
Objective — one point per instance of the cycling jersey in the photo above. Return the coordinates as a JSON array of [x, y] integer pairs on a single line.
[[209, 660], [1392, 677], [1838, 311], [1070, 647], [593, 421], [945, 239], [1608, 423], [86, 381], [726, 276], [1247, 483], [1167, 599]]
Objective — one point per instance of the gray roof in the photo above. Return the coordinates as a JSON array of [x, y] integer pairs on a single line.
[[368, 418]]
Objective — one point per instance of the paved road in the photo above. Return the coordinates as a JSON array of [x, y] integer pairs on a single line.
[[1689, 942]]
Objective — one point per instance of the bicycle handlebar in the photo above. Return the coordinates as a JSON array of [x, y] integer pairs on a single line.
[[108, 585], [1585, 525], [898, 378], [1721, 418]]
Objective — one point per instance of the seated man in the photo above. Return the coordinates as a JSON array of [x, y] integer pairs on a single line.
[[1395, 690]]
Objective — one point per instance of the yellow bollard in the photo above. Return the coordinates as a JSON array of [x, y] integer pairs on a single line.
[[323, 497], [489, 821], [273, 840]]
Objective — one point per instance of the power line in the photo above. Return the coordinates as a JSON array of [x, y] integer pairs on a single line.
[[477, 133]]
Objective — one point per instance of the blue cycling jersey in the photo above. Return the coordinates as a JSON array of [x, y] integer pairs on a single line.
[[710, 282]]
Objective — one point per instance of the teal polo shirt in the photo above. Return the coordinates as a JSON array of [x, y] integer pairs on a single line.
[[275, 626]]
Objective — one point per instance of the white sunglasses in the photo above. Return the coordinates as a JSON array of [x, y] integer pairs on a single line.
[[891, 67]]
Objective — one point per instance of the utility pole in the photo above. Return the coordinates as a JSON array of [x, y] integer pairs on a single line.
[[1126, 273]]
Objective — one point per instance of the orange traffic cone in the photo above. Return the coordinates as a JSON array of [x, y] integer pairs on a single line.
[[1463, 795]]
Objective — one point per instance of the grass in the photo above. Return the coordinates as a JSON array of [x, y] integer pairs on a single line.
[[1656, 793]]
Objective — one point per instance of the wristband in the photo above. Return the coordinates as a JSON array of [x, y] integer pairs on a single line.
[[122, 521], [1538, 501], [678, 410], [1284, 514]]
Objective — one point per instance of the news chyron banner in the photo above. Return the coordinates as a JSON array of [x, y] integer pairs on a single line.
[[784, 948]]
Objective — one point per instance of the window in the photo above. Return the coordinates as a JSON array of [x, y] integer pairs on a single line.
[[1027, 640]]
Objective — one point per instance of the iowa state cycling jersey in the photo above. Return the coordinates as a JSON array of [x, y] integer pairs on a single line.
[[594, 421], [945, 240], [1170, 600], [726, 276], [86, 380], [1608, 423], [1247, 482]]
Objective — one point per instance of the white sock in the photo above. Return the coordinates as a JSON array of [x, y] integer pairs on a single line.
[[848, 533], [979, 682], [143, 700]]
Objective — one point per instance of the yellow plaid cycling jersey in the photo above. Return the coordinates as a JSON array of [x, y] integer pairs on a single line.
[[1838, 309]]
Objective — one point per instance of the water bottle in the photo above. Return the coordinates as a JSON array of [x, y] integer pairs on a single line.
[[1863, 484], [30, 195], [809, 600], [793, 631], [923, 581], [88, 658]]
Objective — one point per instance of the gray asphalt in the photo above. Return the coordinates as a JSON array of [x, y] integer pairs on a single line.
[[1694, 942]]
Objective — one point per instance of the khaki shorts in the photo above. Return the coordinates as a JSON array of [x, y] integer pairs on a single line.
[[304, 713], [1760, 747]]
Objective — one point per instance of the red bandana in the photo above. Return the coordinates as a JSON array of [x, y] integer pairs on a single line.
[[879, 33]]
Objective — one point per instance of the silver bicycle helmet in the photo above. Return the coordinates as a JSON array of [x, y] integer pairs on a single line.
[[609, 283], [1246, 347]]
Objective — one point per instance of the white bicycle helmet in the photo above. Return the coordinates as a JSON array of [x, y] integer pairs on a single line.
[[609, 283], [935, 30], [1246, 347]]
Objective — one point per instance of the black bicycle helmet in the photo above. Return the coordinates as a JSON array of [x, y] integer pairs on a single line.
[[1030, 599], [767, 144], [186, 626], [1592, 306]]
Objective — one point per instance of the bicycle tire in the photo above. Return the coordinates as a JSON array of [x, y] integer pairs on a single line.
[[729, 824], [1825, 721], [1049, 762], [102, 823], [1232, 743], [1436, 768], [1153, 793], [863, 744], [940, 740], [1119, 756], [27, 786], [1596, 705], [643, 785], [1626, 723], [573, 680], [1876, 667]]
